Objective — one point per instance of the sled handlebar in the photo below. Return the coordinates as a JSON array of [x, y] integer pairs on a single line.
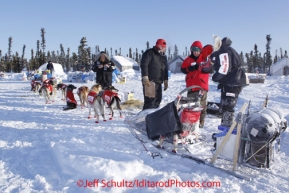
[[190, 87]]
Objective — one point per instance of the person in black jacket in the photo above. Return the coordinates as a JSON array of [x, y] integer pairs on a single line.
[[154, 68], [231, 78], [104, 68], [50, 67]]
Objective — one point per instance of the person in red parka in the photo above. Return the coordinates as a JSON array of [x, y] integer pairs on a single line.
[[197, 76]]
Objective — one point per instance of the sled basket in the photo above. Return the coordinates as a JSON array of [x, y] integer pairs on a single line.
[[189, 116]]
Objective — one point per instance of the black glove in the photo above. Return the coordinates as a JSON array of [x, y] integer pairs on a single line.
[[220, 86], [192, 68], [207, 70]]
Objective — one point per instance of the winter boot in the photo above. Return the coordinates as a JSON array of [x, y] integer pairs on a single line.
[[227, 118]]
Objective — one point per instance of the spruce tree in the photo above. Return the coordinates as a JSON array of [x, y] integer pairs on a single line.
[[267, 55], [8, 58], [38, 53], [68, 60], [136, 55], [148, 45], [22, 65], [83, 55], [130, 54], [43, 44], [255, 57]]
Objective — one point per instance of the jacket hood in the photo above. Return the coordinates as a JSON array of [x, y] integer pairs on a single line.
[[226, 41], [102, 53], [197, 44]]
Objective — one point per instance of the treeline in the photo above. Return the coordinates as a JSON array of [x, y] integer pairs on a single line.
[[16, 62]]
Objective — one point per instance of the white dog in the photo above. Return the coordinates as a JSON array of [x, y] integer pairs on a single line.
[[96, 102]]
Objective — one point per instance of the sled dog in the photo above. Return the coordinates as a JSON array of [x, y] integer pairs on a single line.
[[82, 92], [110, 96], [47, 91], [35, 86], [70, 100], [63, 88], [96, 102]]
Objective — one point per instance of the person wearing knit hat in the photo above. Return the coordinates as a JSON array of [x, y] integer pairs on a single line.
[[104, 68], [231, 78], [196, 75], [154, 68]]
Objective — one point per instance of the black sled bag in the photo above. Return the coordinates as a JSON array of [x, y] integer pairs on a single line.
[[163, 122]]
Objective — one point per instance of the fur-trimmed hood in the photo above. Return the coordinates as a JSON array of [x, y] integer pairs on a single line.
[[102, 53]]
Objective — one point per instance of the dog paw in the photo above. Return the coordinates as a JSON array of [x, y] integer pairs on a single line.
[[110, 118], [104, 120], [96, 122], [89, 117]]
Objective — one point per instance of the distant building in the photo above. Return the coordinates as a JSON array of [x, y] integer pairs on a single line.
[[280, 68], [176, 63], [124, 63]]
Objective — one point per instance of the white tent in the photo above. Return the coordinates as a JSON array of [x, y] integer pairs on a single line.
[[124, 63], [280, 68], [58, 70]]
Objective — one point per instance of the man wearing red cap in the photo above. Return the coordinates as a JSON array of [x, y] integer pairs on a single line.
[[154, 68], [197, 75]]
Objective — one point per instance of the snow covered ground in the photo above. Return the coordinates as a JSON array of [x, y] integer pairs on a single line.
[[46, 149]]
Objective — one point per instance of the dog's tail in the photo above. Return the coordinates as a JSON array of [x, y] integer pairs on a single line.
[[117, 102]]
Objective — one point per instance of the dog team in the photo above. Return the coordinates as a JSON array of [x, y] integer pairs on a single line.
[[96, 98]]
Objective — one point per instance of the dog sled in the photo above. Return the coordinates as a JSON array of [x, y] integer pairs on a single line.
[[177, 123]]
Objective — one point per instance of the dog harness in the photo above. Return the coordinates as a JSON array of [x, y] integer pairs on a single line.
[[91, 97], [70, 97], [63, 86], [47, 85], [108, 95], [34, 83]]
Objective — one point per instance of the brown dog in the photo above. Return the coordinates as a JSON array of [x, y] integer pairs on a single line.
[[35, 86], [82, 92]]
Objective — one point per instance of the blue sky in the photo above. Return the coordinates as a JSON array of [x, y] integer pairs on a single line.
[[131, 23]]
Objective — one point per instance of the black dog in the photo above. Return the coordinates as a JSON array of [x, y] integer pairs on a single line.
[[70, 100]]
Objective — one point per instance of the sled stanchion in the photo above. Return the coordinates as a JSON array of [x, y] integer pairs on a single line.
[[228, 135], [237, 145]]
